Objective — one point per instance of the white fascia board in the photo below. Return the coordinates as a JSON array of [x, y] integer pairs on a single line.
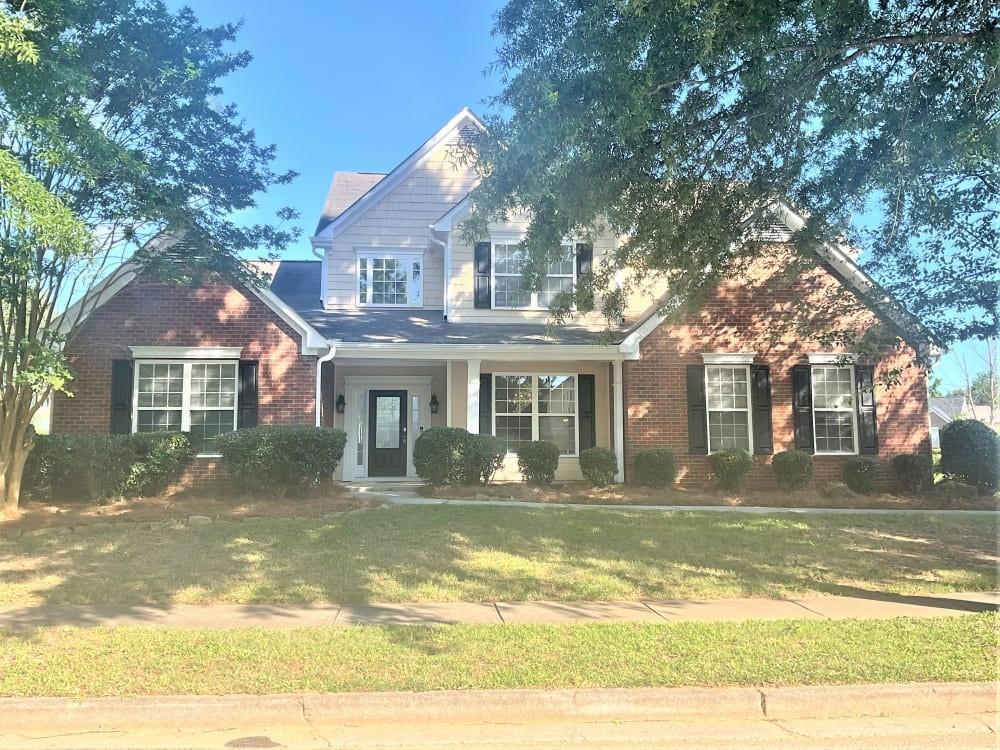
[[508, 352], [630, 345], [939, 412], [395, 177], [312, 341], [453, 216], [100, 293], [186, 352]]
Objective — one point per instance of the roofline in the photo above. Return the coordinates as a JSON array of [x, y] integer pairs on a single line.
[[353, 212], [330, 221], [557, 352], [940, 413]]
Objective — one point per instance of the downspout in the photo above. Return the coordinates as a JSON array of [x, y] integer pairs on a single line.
[[323, 275], [446, 262], [319, 383]]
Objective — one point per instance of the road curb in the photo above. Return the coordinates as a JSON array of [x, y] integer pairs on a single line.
[[513, 706]]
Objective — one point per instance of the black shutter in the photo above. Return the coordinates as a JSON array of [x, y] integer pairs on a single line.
[[247, 416], [760, 375], [483, 262], [485, 403], [867, 430], [802, 406], [121, 396], [697, 418], [584, 264], [588, 418]]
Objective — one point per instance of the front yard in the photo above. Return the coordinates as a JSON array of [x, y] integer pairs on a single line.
[[399, 554]]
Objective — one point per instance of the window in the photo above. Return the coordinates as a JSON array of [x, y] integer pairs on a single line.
[[727, 393], [199, 397], [535, 407], [509, 260], [834, 416], [389, 279]]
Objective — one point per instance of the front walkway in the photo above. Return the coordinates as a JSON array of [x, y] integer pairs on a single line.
[[494, 613]]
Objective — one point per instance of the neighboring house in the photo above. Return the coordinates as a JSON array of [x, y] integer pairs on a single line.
[[402, 326], [944, 409]]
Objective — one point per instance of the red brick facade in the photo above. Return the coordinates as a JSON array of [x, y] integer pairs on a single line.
[[752, 317]]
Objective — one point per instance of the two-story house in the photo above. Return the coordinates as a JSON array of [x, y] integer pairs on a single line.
[[401, 324]]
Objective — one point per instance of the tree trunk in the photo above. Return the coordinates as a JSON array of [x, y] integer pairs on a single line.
[[13, 454]]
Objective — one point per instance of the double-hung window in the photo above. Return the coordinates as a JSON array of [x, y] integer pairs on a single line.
[[195, 397], [509, 260], [536, 407], [834, 409], [727, 395], [390, 279]]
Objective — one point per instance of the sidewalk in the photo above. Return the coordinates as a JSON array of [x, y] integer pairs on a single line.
[[497, 613]]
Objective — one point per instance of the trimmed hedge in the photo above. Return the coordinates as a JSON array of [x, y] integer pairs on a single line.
[[953, 490], [792, 469], [970, 453], [655, 468], [861, 474], [538, 461], [914, 470], [160, 459], [730, 467], [599, 466], [439, 455], [481, 458], [277, 459]]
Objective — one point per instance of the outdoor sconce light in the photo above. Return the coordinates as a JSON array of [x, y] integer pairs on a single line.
[[341, 403], [434, 403]]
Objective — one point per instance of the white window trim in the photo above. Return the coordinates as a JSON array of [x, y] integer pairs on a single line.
[[185, 407], [186, 352], [534, 405], [832, 358], [728, 358], [834, 365], [414, 289], [499, 239], [748, 410]]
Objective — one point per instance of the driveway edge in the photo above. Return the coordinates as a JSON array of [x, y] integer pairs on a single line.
[[513, 706]]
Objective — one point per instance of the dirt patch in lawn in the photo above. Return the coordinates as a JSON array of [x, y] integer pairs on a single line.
[[579, 492], [311, 503]]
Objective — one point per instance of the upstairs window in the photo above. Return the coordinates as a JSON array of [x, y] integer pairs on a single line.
[[509, 260], [390, 279]]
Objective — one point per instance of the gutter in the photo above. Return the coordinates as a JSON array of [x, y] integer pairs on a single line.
[[319, 383], [446, 262]]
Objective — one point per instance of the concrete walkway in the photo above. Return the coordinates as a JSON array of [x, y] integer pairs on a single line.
[[494, 613]]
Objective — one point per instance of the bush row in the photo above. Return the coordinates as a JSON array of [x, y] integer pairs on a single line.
[[452, 455]]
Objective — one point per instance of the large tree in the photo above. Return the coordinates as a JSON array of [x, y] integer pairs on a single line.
[[679, 122], [112, 130]]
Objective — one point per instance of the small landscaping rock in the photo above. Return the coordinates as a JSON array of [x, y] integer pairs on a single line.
[[199, 520]]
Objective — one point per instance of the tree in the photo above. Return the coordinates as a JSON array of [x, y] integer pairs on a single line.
[[111, 133], [680, 123]]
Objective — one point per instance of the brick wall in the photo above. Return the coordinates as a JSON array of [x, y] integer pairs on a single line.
[[150, 313], [754, 316]]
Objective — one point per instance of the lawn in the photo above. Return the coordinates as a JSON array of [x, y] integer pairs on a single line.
[[60, 662], [444, 553]]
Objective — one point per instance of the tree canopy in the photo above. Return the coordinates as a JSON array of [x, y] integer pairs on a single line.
[[680, 122]]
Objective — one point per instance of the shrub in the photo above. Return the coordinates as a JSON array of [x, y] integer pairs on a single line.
[[599, 466], [953, 490], [655, 468], [481, 458], [729, 467], [82, 468], [157, 460], [860, 474], [970, 453], [915, 471], [439, 453], [276, 459], [793, 469], [538, 461], [837, 490]]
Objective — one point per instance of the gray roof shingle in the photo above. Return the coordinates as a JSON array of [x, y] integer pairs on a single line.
[[345, 190]]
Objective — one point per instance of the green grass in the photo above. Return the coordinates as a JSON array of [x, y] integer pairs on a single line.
[[484, 553], [61, 662]]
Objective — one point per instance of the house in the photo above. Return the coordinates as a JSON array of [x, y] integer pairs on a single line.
[[944, 409], [401, 325]]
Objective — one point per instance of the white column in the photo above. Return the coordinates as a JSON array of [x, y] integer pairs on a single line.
[[619, 408], [447, 394], [472, 388]]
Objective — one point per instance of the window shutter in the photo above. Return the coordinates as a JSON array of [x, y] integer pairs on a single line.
[[584, 264], [588, 421], [121, 396], [483, 262], [867, 429], [485, 403], [697, 418], [247, 404], [802, 406], [760, 397]]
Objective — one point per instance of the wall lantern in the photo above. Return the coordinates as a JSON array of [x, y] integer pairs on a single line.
[[341, 403], [434, 403]]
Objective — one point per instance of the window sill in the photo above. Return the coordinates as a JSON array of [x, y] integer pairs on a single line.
[[208, 455]]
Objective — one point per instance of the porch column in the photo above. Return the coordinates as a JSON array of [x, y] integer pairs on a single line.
[[472, 388], [447, 390], [619, 426]]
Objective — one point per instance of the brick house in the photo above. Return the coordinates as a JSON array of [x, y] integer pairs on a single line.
[[401, 325]]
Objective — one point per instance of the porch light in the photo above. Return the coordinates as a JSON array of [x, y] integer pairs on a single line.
[[341, 403], [434, 403]]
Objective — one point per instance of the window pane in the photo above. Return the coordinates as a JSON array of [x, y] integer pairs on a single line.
[[512, 394], [552, 286], [513, 431], [208, 425], [160, 385], [387, 418], [726, 387], [556, 394], [213, 386], [728, 429], [510, 294], [559, 430], [564, 267], [507, 259], [834, 432], [833, 388], [158, 421], [386, 282]]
